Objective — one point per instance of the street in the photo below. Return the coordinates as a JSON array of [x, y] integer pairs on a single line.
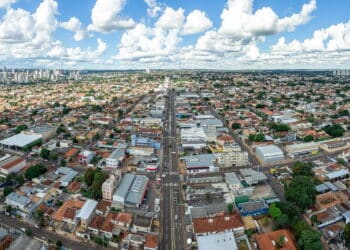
[[172, 214]]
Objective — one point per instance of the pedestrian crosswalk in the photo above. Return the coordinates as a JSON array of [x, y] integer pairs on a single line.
[[171, 184]]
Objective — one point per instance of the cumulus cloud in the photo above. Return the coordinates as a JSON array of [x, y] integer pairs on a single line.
[[6, 3], [196, 22], [171, 19], [105, 16], [75, 25], [153, 8]]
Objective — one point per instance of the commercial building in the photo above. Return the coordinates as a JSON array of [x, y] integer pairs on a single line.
[[17, 201], [46, 131], [302, 149], [269, 154], [11, 164], [218, 241], [233, 158], [200, 163], [115, 158], [131, 190], [19, 141]]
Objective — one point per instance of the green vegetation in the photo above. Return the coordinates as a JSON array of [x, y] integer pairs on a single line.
[[35, 171], [20, 128], [260, 106], [8, 190], [29, 232], [301, 168], [94, 179], [29, 147], [274, 211], [236, 125], [257, 137], [308, 138], [334, 130], [301, 191], [45, 153], [59, 245], [279, 127], [230, 208], [346, 234]]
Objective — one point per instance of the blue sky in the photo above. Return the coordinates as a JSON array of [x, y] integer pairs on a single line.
[[220, 34]]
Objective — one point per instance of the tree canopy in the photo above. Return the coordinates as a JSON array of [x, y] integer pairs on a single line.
[[302, 168], [35, 171], [334, 130], [301, 191]]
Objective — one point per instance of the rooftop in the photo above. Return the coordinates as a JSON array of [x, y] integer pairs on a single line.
[[217, 224]]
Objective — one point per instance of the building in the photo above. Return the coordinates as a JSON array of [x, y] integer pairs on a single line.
[[220, 223], [131, 190], [11, 164], [85, 156], [17, 201], [46, 131], [341, 72], [218, 241], [233, 182], [233, 158], [270, 240], [269, 154], [20, 141], [200, 163], [115, 159], [109, 186], [87, 212], [302, 149], [252, 208]]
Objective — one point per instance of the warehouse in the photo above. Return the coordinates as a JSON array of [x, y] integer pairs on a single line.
[[131, 190], [302, 149], [19, 141], [269, 154]]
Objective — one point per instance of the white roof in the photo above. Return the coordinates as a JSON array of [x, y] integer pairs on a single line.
[[338, 173], [20, 140], [270, 150], [218, 241], [87, 209]]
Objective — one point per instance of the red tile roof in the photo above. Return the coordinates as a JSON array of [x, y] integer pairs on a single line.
[[266, 241], [217, 224]]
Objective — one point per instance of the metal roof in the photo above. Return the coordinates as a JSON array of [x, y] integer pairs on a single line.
[[337, 174], [137, 189], [218, 241], [87, 209], [23, 200], [124, 185], [269, 150], [20, 140], [232, 179]]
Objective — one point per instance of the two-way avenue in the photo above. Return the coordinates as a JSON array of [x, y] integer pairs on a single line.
[[171, 214]]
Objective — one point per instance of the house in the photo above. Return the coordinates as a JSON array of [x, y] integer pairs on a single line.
[[115, 158], [142, 224], [151, 242], [270, 240], [85, 156], [220, 223], [68, 211], [17, 201]]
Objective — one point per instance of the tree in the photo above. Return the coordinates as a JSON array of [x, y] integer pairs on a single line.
[[8, 190], [310, 240], [35, 171], [45, 153], [89, 177], [313, 219], [301, 191], [29, 232], [59, 244], [308, 138], [20, 128], [230, 208], [236, 125], [334, 130], [346, 234], [279, 127], [53, 156], [19, 179], [300, 168], [274, 211], [283, 221], [8, 209]]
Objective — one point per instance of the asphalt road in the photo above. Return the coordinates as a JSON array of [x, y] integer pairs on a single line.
[[46, 235], [172, 226]]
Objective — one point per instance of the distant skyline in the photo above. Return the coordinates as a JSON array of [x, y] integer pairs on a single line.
[[193, 34]]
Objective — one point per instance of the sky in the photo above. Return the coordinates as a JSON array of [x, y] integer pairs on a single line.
[[175, 34]]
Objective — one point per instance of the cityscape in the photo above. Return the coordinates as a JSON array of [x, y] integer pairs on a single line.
[[213, 126]]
